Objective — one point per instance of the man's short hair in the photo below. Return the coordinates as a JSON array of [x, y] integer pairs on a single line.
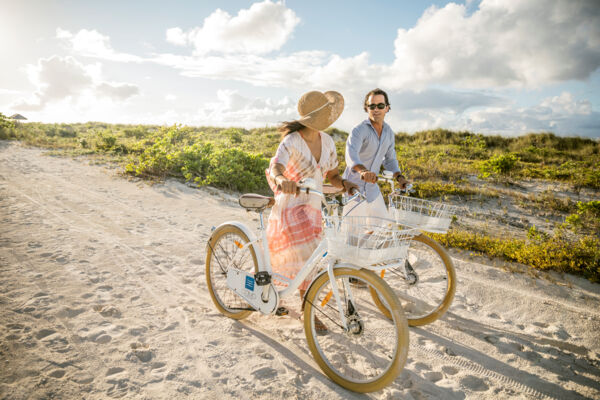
[[373, 93]]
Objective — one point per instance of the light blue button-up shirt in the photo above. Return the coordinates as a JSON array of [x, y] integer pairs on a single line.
[[365, 147]]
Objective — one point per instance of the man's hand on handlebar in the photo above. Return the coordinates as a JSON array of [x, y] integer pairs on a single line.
[[368, 176], [402, 182]]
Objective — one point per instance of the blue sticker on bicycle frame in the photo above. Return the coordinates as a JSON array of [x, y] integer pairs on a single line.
[[249, 283]]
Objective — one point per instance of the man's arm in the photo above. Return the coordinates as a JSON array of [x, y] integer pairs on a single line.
[[353, 146], [390, 163]]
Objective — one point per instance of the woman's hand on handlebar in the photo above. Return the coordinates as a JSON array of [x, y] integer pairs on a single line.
[[286, 186], [349, 187]]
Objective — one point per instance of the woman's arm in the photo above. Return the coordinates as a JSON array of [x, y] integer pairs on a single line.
[[286, 186], [336, 180]]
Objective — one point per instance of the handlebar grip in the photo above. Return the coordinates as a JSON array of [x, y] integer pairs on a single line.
[[298, 189]]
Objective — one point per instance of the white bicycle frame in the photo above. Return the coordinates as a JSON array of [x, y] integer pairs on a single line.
[[263, 258]]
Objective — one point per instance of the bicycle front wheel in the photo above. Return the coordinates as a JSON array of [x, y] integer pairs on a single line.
[[425, 284], [373, 351], [226, 250]]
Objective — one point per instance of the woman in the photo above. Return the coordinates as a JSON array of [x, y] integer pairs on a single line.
[[295, 226]]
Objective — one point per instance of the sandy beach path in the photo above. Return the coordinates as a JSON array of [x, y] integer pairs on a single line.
[[103, 295]]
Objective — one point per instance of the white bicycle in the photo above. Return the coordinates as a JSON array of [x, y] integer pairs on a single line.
[[424, 280], [365, 345]]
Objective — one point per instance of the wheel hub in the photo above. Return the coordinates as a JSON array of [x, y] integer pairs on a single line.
[[411, 276], [355, 325]]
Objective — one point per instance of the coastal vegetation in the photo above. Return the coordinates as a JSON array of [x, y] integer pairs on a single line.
[[458, 167]]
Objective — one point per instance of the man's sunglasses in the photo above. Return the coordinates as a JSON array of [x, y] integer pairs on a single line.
[[381, 106]]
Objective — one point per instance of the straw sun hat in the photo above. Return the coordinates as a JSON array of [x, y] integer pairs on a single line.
[[319, 110]]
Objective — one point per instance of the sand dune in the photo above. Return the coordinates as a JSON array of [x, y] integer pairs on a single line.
[[103, 295]]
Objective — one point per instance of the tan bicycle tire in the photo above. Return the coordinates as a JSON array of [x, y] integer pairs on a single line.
[[217, 235], [450, 289], [399, 321]]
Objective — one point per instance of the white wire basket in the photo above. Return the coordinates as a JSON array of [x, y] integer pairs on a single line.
[[366, 241], [429, 216]]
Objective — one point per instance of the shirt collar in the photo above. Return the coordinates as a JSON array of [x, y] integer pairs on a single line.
[[385, 125]]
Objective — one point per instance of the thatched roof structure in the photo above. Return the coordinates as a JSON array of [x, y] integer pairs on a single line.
[[17, 117]]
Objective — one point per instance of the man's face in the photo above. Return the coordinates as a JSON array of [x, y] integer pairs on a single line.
[[377, 114]]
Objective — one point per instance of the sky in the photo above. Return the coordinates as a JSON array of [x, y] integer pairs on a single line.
[[506, 67]]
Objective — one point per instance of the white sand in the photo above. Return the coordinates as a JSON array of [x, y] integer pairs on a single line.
[[103, 294]]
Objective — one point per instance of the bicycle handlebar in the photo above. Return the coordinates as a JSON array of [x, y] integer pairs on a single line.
[[391, 180], [307, 187], [357, 194]]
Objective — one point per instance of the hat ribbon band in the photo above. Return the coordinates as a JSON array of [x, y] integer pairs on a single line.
[[317, 109]]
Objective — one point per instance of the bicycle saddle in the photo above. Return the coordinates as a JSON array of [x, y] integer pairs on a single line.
[[256, 202]]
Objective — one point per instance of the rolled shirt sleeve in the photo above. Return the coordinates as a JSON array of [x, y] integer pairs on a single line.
[[390, 162]]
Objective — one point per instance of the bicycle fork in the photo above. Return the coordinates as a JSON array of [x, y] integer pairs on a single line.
[[351, 315]]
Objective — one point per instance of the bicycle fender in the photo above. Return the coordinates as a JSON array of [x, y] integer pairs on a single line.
[[251, 237]]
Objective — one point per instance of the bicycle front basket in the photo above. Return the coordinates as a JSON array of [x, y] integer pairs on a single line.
[[366, 241], [429, 216]]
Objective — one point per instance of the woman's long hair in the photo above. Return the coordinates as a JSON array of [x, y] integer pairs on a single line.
[[288, 127]]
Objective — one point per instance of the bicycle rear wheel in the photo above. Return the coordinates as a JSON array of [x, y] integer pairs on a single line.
[[425, 284], [374, 350], [225, 251]]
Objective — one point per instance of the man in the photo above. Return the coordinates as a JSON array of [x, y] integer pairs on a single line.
[[369, 146]]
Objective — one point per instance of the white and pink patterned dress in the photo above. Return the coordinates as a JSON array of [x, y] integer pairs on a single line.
[[295, 226]]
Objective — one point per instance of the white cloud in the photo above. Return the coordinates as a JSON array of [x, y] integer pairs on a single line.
[[566, 104], [285, 71], [59, 78], [442, 100], [503, 43], [170, 97], [262, 28], [177, 36], [9, 91], [495, 44], [560, 114], [233, 108], [117, 91], [91, 43]]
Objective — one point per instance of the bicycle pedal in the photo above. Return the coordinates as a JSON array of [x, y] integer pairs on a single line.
[[282, 311]]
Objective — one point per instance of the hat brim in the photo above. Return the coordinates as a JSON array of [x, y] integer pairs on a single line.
[[327, 115]]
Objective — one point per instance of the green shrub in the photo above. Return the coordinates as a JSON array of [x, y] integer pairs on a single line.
[[137, 132], [165, 155], [6, 126], [559, 252], [66, 131], [429, 189], [236, 170], [203, 163], [106, 141], [586, 219], [501, 164], [233, 134]]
